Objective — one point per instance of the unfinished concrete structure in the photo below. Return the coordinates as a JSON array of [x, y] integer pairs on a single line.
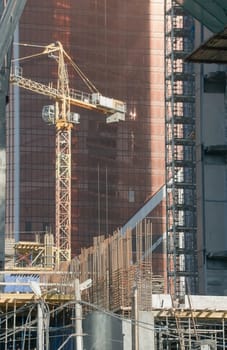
[[198, 323], [125, 297], [210, 143]]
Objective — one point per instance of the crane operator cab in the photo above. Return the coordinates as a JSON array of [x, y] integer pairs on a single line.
[[48, 115]]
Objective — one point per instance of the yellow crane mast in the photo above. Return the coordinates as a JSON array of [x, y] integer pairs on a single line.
[[64, 120]]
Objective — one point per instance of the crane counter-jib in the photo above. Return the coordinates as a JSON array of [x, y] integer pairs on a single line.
[[90, 101]]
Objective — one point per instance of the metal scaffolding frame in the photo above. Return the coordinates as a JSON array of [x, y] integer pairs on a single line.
[[180, 152], [184, 334]]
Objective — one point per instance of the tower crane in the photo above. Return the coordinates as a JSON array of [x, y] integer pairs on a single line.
[[60, 115]]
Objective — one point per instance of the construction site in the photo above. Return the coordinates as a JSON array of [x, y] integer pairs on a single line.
[[113, 175]]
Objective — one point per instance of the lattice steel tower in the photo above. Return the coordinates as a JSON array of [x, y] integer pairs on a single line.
[[180, 152]]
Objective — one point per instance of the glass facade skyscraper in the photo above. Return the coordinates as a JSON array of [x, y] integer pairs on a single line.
[[115, 167]]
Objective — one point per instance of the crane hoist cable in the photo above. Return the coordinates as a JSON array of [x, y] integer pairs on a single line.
[[51, 49]]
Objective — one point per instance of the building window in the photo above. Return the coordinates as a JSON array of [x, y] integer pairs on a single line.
[[131, 196], [28, 226]]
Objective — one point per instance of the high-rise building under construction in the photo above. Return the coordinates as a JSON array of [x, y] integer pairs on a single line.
[[115, 167]]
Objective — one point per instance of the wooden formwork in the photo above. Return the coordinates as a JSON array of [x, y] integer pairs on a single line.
[[116, 265]]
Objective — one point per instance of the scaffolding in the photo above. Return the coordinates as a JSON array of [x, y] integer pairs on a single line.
[[209, 334], [180, 152], [116, 266]]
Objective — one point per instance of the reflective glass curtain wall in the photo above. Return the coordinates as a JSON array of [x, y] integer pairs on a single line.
[[115, 168]]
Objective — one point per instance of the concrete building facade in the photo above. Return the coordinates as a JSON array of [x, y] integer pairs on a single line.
[[211, 173]]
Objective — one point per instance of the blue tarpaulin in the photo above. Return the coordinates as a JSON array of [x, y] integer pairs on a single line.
[[19, 279]]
